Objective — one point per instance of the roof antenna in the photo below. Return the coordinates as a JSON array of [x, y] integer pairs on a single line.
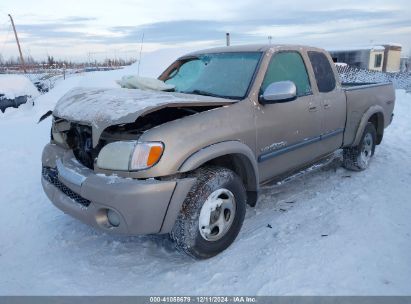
[[139, 59]]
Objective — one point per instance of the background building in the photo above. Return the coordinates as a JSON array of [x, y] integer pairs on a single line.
[[384, 58], [392, 55]]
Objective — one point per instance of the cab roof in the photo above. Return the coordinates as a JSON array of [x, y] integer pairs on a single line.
[[249, 48]]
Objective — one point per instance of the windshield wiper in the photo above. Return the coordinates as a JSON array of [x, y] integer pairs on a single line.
[[205, 93]]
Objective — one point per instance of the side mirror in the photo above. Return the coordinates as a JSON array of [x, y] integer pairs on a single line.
[[281, 91]]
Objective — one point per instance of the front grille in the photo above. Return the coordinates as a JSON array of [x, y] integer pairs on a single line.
[[51, 175]]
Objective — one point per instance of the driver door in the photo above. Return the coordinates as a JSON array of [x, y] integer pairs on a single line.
[[287, 132]]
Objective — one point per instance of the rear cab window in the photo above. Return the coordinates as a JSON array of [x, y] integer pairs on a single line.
[[324, 75], [288, 65]]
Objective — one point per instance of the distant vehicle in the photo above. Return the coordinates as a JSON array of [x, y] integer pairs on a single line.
[[187, 162], [42, 87], [11, 103], [15, 90]]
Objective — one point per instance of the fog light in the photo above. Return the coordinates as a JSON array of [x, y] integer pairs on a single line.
[[113, 218]]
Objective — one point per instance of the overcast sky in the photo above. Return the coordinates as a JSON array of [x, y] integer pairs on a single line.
[[79, 30]]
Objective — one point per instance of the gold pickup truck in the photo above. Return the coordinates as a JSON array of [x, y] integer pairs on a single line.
[[186, 161]]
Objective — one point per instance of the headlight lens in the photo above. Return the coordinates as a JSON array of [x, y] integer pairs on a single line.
[[130, 155], [58, 137]]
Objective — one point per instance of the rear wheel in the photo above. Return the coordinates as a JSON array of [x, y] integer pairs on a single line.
[[358, 158], [212, 213]]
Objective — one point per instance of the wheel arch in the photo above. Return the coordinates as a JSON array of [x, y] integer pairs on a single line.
[[377, 119], [232, 155], [374, 115]]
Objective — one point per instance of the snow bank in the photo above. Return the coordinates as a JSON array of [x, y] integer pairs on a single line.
[[12, 86]]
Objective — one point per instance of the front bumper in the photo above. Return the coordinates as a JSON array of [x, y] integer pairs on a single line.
[[143, 206]]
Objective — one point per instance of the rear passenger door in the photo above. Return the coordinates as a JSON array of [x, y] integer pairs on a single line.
[[332, 100], [287, 132]]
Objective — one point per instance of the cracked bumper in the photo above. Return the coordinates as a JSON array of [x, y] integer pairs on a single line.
[[143, 206]]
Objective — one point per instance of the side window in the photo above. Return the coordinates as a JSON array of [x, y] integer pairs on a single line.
[[323, 72], [288, 66]]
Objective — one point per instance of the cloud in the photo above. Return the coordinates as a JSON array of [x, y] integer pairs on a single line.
[[248, 22], [60, 29], [74, 19], [296, 24]]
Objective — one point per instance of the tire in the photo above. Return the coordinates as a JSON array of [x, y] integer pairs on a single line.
[[217, 194], [358, 158]]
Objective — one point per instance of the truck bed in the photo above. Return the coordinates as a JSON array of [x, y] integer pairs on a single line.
[[364, 96], [356, 85]]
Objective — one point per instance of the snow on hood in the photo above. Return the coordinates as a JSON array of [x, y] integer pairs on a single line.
[[101, 108], [12, 86]]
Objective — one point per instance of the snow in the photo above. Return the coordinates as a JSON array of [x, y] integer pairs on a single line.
[[358, 48], [103, 107], [96, 105], [144, 83], [12, 86], [334, 232], [341, 64], [394, 44]]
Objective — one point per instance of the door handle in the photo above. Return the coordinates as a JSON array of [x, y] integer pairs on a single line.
[[327, 106]]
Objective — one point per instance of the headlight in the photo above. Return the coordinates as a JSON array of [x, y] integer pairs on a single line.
[[58, 137], [130, 155]]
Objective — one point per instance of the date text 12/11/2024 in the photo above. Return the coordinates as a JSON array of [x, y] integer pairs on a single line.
[[203, 299]]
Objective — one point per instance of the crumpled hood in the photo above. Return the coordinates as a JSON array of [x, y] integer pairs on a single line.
[[101, 108]]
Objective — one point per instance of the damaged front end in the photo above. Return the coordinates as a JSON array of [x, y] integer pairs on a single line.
[[78, 137], [81, 180]]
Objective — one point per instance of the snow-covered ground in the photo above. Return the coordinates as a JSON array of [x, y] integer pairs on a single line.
[[326, 232]]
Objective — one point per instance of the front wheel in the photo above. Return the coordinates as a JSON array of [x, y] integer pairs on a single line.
[[358, 158], [212, 213]]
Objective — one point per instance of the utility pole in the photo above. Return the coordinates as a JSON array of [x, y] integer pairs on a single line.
[[18, 44]]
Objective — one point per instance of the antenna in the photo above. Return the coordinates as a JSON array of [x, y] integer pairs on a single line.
[[139, 59], [18, 44]]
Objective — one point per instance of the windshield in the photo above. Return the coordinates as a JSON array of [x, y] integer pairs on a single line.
[[226, 75]]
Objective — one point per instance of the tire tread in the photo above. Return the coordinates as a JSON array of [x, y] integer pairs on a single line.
[[185, 228]]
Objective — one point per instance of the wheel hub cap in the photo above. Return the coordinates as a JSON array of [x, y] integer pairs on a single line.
[[366, 149], [217, 215]]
